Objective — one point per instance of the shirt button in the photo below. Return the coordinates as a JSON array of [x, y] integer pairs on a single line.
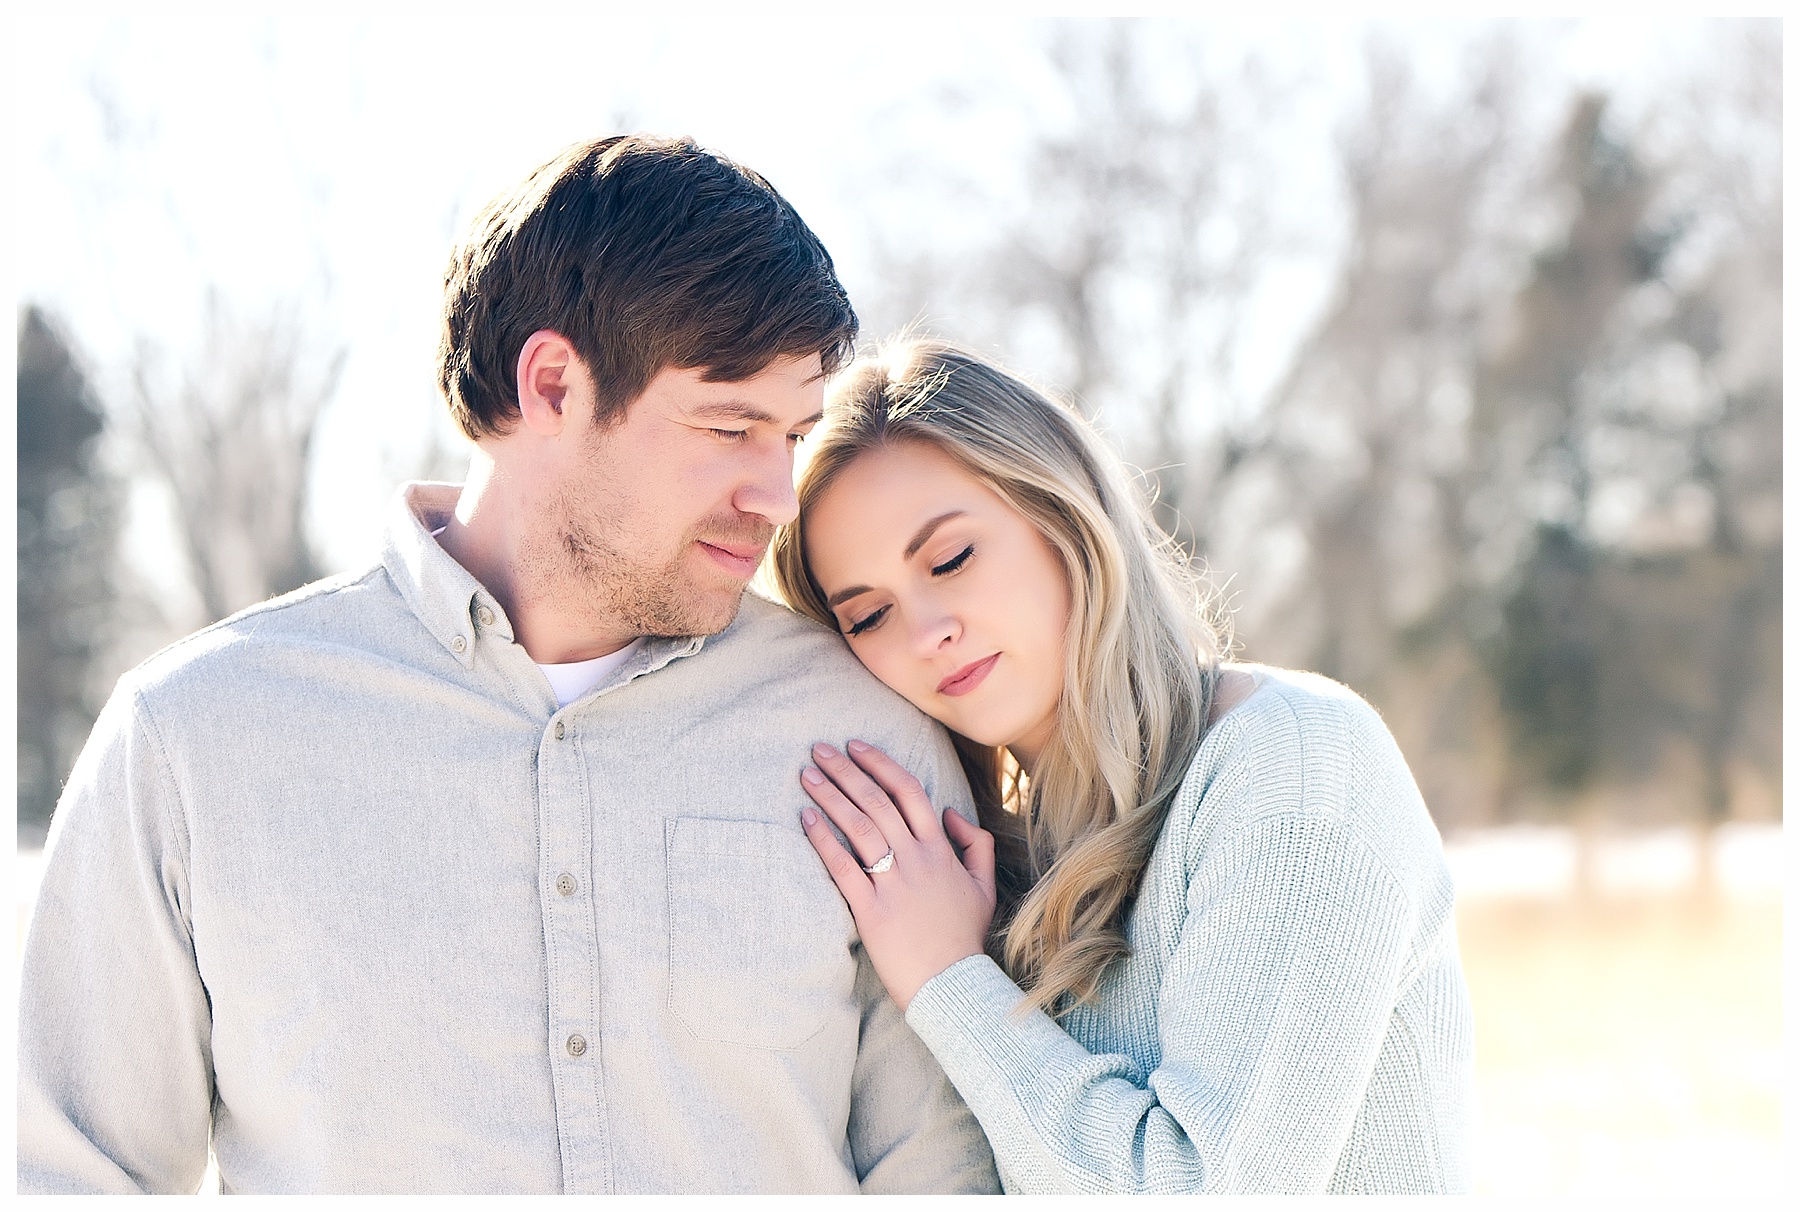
[[577, 1045], [558, 730], [484, 616], [565, 884], [459, 645]]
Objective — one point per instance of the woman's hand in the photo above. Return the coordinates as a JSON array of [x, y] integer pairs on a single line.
[[929, 907]]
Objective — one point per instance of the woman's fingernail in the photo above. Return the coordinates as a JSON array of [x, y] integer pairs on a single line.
[[857, 746], [809, 775], [824, 750], [808, 817]]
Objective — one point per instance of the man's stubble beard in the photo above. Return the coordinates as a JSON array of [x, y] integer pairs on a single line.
[[643, 596]]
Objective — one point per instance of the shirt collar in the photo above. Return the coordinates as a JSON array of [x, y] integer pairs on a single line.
[[452, 604], [440, 591]]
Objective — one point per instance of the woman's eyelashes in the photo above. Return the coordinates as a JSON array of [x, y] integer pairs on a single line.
[[866, 622], [954, 562]]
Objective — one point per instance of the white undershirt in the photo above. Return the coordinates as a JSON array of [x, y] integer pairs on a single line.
[[572, 679]]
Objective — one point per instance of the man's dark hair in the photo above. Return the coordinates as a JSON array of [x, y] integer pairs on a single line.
[[644, 253]]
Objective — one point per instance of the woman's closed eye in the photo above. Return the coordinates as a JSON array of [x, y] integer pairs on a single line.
[[954, 562], [868, 621]]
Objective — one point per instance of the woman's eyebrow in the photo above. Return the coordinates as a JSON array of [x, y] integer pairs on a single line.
[[925, 532], [844, 595]]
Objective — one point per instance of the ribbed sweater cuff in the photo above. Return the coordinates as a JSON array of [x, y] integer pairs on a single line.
[[969, 988], [965, 1016]]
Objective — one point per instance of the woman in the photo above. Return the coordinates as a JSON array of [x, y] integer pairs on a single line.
[[1203, 940]]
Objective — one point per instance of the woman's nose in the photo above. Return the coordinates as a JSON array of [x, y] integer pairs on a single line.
[[936, 633]]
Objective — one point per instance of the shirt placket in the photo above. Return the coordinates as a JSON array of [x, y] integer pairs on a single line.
[[572, 957]]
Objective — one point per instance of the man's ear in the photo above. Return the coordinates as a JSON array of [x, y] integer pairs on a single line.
[[549, 372]]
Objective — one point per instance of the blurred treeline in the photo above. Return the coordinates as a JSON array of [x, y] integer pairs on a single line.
[[1518, 481]]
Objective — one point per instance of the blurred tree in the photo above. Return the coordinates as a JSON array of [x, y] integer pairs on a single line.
[[1642, 631], [1534, 425], [230, 435], [1727, 312], [1547, 663], [69, 511], [1364, 435], [1123, 261], [1359, 456]]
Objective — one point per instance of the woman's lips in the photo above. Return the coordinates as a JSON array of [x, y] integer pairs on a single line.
[[740, 562], [968, 677]]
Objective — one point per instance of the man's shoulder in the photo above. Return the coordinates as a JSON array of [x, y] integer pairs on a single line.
[[801, 678], [764, 620], [766, 634], [767, 643], [318, 611], [777, 656]]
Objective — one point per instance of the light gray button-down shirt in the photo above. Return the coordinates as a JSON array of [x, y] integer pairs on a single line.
[[336, 881]]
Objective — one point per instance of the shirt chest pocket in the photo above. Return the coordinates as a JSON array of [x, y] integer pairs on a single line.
[[759, 939]]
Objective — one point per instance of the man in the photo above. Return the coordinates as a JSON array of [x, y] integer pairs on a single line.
[[482, 869]]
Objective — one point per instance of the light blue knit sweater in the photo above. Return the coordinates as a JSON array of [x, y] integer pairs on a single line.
[[1292, 1017]]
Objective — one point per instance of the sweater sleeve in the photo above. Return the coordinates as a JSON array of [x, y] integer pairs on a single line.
[[1271, 1015]]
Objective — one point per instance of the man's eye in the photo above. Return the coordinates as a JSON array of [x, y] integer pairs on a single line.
[[866, 622], [731, 435], [954, 562]]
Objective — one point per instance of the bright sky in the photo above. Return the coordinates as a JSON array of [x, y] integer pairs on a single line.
[[327, 153]]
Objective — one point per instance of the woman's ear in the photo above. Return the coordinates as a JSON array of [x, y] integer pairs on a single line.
[[549, 369]]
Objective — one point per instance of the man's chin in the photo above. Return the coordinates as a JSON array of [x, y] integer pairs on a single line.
[[703, 613], [727, 611]]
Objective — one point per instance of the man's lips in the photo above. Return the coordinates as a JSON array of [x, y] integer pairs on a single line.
[[968, 677], [739, 559]]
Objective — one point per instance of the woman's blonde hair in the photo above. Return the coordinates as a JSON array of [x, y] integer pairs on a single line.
[[1144, 649]]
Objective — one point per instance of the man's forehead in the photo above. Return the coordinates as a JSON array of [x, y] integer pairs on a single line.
[[789, 393], [801, 369]]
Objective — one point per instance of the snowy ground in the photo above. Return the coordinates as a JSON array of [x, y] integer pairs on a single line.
[[1542, 861]]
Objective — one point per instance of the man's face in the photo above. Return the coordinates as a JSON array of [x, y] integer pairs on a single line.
[[667, 512]]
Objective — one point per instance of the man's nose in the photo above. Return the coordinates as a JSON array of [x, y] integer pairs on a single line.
[[769, 493]]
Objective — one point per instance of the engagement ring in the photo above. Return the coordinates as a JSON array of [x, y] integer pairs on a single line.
[[883, 863]]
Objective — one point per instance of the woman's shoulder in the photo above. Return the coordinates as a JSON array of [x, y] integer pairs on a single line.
[[1291, 717], [1299, 745]]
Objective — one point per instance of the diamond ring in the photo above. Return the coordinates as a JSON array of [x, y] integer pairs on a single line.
[[884, 863]]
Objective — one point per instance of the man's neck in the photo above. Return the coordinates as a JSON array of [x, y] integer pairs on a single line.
[[552, 617]]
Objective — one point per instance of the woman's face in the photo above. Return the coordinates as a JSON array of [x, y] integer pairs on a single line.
[[945, 592]]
